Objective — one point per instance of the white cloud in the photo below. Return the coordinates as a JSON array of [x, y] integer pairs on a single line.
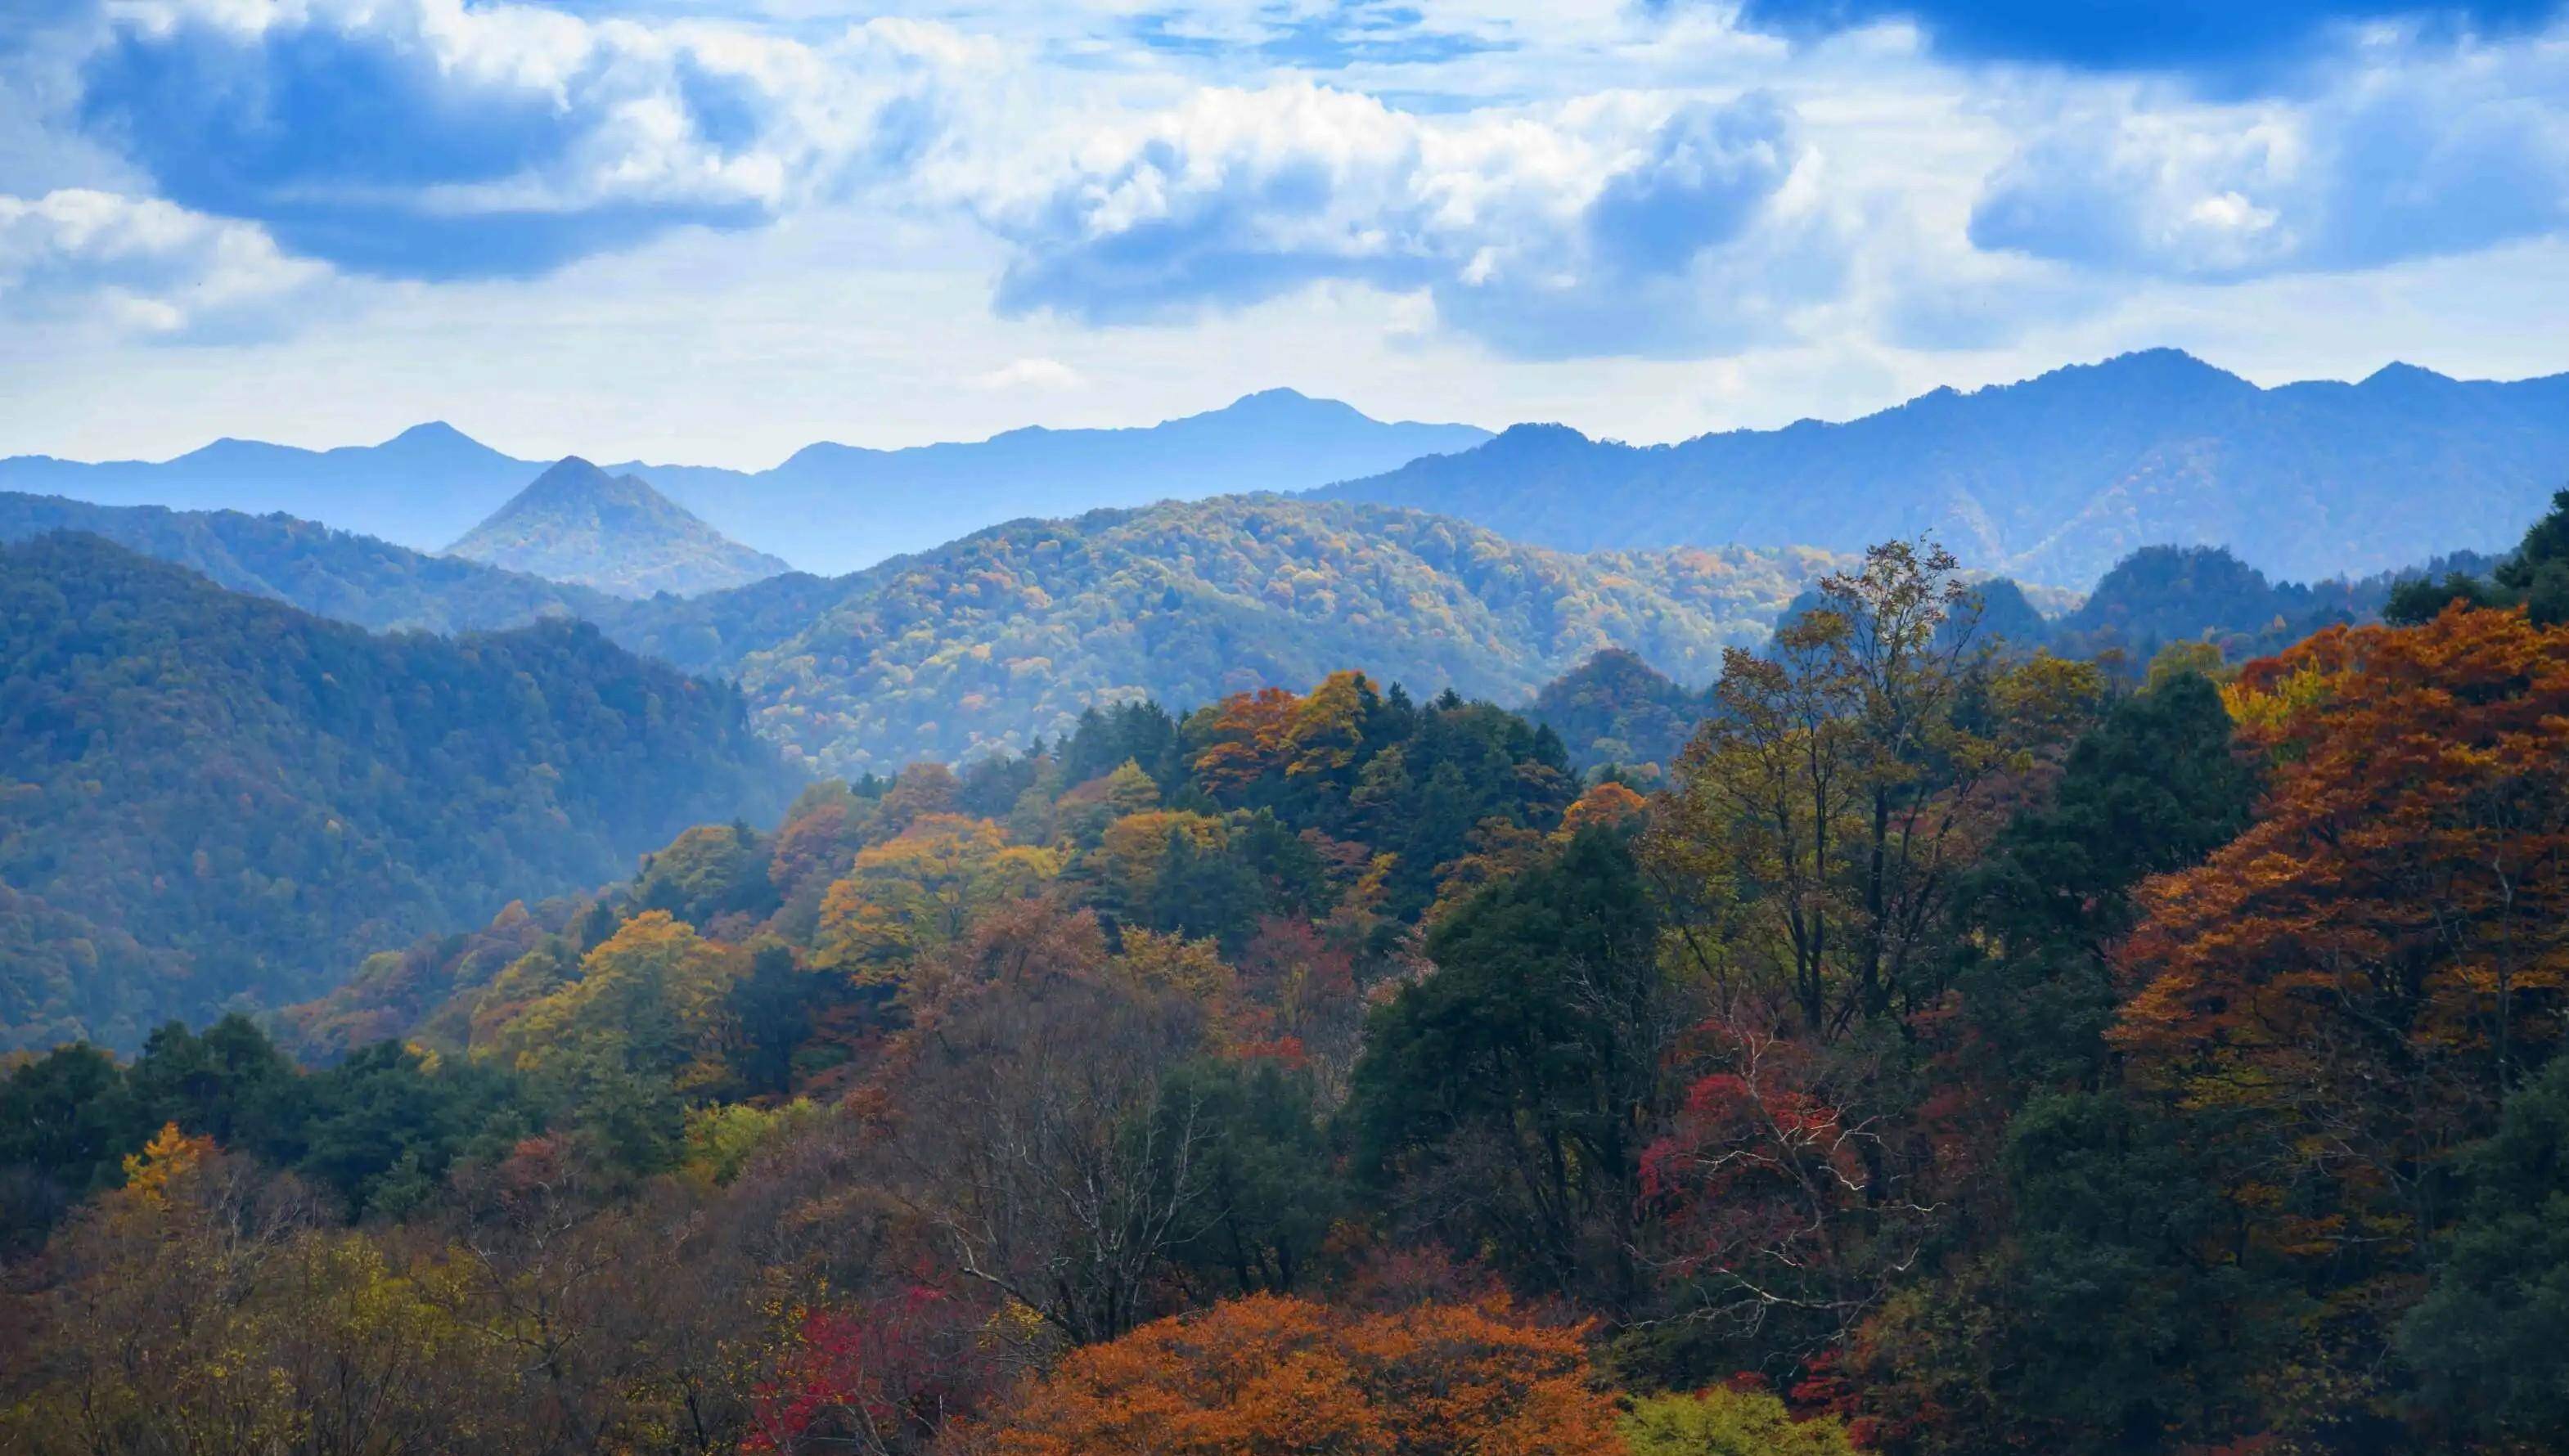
[[1615, 223], [2399, 156], [1029, 374], [139, 266], [440, 139]]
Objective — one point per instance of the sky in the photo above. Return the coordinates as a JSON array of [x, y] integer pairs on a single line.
[[715, 230]]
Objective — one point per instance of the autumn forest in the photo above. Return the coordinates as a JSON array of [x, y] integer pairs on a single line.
[[1952, 1047]]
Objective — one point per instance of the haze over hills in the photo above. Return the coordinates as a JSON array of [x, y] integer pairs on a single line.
[[2056, 479], [836, 507], [423, 487], [2052, 480], [210, 795], [829, 508], [335, 573], [577, 523], [1005, 634], [1009, 632]]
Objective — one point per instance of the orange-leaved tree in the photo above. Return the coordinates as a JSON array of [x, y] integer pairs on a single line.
[[1267, 1375], [2350, 985]]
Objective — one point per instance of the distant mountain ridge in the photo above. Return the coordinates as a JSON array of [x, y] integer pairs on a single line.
[[1008, 633], [829, 508], [335, 573], [2056, 479], [577, 523], [420, 489]]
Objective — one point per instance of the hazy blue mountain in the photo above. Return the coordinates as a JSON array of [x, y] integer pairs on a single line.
[[422, 487], [2056, 479], [836, 507], [335, 573], [213, 797], [830, 507], [577, 523]]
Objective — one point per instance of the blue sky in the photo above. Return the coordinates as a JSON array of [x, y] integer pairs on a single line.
[[713, 232]]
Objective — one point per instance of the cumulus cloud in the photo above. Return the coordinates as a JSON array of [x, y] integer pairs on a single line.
[[1614, 225], [439, 139], [142, 266], [2395, 164]]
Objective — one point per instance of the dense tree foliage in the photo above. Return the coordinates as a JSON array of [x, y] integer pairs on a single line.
[[1959, 1051], [239, 800]]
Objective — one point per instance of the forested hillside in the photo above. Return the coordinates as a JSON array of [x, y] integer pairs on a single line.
[[1008, 634], [1616, 709], [333, 573], [2164, 595], [1960, 1054], [577, 523], [211, 796], [2056, 479]]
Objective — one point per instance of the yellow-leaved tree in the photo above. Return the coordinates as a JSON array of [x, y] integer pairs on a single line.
[[921, 890], [654, 997]]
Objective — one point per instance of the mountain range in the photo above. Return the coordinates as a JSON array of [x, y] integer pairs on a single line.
[[1008, 633], [2056, 479], [2048, 481], [577, 523], [339, 574], [828, 507]]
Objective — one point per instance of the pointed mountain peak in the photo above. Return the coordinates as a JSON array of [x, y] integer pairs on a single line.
[[2395, 374], [432, 432], [577, 523], [571, 469], [435, 442]]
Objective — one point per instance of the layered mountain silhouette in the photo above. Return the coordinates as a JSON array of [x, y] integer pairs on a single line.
[[2056, 479], [422, 487], [579, 524], [1008, 633], [340, 575], [830, 507]]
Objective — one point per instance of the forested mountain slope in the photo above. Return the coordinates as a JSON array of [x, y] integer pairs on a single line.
[[1960, 1052], [211, 796], [2056, 479], [577, 523], [1010, 634], [335, 573]]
